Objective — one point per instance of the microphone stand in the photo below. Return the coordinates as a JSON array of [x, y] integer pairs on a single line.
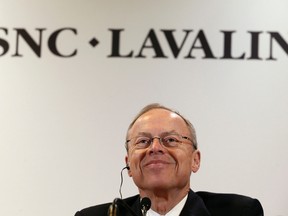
[[112, 211]]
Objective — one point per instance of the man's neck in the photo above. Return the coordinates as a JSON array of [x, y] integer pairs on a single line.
[[163, 201]]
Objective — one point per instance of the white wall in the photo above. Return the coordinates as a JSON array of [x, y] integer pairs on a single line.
[[63, 120]]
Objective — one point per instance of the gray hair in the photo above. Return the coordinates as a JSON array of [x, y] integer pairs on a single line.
[[159, 106]]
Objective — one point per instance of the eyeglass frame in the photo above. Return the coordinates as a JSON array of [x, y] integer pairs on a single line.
[[151, 140]]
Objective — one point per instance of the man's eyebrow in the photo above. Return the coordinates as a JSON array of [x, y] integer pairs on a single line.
[[147, 134], [168, 132], [143, 134]]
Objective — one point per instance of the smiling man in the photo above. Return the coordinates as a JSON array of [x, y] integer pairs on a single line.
[[162, 153]]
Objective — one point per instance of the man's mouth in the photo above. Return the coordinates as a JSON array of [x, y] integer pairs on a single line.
[[156, 163]]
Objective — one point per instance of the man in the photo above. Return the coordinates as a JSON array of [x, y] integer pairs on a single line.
[[162, 152]]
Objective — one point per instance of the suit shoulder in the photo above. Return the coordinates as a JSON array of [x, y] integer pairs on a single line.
[[231, 204], [102, 209]]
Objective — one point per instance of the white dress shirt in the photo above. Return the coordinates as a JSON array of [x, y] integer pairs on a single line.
[[173, 212]]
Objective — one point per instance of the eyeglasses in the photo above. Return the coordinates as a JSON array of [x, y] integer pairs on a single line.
[[169, 141]]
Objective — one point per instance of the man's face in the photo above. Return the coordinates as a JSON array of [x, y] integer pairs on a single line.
[[157, 167]]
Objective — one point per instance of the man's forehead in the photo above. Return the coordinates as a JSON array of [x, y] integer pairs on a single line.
[[159, 120], [158, 114]]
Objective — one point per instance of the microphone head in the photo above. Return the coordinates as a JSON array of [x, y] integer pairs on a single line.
[[145, 204]]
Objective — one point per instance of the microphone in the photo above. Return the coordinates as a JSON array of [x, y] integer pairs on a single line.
[[145, 202], [145, 205]]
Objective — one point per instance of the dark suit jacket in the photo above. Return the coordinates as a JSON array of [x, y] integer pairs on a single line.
[[197, 204]]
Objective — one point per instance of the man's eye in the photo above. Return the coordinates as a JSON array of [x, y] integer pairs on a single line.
[[142, 141], [170, 140]]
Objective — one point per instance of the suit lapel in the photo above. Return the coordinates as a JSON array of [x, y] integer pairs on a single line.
[[136, 207], [194, 206]]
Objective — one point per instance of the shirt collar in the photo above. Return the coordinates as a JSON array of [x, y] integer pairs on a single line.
[[173, 212]]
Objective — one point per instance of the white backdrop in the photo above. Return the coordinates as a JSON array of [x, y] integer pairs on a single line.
[[63, 120]]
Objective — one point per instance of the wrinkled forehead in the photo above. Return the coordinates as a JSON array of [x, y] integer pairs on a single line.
[[157, 121]]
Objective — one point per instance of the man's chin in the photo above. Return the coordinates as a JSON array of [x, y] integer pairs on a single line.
[[157, 184]]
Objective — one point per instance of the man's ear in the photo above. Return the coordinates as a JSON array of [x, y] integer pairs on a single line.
[[196, 157], [128, 166]]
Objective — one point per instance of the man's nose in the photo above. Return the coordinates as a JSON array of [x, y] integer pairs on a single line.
[[156, 145]]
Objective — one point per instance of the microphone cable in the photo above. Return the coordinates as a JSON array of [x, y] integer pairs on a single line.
[[145, 202], [121, 182]]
